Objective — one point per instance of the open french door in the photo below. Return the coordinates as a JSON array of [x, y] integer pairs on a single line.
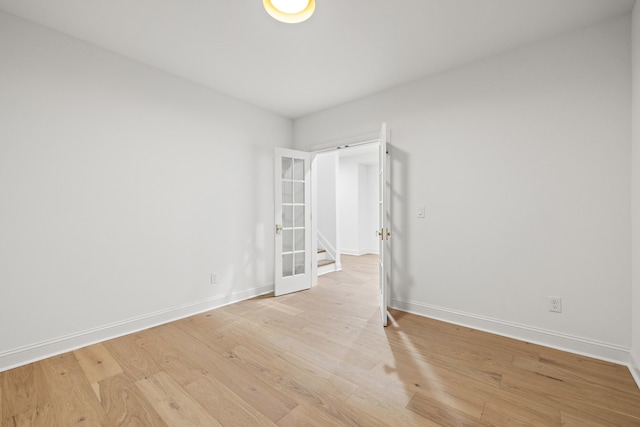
[[293, 221], [384, 222]]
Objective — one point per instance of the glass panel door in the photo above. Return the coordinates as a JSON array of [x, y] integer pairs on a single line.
[[292, 201], [293, 221]]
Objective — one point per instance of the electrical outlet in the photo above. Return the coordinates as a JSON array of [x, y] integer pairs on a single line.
[[555, 304], [214, 278]]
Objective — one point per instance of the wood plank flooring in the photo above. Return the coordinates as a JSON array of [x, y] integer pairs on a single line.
[[317, 358]]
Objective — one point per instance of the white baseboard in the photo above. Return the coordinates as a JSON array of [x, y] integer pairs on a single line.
[[573, 344], [358, 252], [634, 367], [354, 252], [43, 350], [329, 268]]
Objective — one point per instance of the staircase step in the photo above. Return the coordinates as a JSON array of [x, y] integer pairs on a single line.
[[323, 262], [321, 251]]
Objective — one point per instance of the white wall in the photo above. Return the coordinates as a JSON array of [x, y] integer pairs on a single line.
[[635, 355], [368, 208], [522, 162], [122, 188], [348, 201], [357, 194]]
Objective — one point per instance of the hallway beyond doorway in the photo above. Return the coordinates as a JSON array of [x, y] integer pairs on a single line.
[[361, 270]]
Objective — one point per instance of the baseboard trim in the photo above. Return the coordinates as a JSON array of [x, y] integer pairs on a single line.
[[573, 344], [634, 367], [358, 252], [32, 353], [352, 252], [329, 268]]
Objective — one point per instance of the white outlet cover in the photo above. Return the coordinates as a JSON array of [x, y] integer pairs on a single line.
[[555, 304]]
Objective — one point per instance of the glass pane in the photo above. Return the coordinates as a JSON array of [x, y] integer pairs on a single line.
[[287, 216], [287, 241], [298, 169], [298, 188], [299, 216], [287, 192], [287, 168], [300, 240], [287, 265], [300, 263]]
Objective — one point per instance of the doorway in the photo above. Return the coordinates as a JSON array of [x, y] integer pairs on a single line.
[[346, 207], [296, 177]]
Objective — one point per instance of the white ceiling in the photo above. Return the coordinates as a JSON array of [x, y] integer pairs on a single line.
[[348, 49]]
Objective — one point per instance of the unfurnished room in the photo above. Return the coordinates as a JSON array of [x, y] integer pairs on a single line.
[[320, 213]]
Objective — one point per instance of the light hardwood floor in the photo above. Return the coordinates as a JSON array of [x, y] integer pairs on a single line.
[[318, 358]]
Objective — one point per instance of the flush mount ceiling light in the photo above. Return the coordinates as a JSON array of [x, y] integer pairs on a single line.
[[290, 11]]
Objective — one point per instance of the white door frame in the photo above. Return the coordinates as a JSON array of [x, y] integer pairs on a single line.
[[311, 228], [314, 220], [372, 138]]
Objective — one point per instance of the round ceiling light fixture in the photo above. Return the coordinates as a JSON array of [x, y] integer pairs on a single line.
[[290, 11]]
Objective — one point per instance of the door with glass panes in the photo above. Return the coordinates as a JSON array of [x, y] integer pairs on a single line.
[[293, 226]]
